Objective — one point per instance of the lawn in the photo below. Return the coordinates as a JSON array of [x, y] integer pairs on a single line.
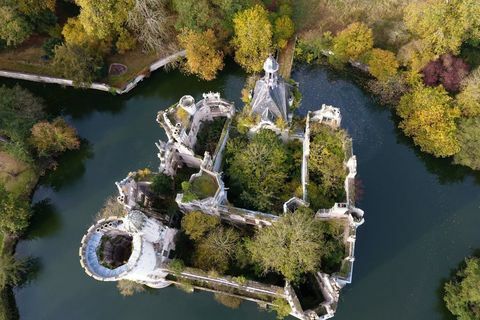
[[18, 177]]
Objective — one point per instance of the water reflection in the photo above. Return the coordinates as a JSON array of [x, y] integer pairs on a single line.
[[46, 220], [70, 167]]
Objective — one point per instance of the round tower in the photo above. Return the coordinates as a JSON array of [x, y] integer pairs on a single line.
[[188, 104]]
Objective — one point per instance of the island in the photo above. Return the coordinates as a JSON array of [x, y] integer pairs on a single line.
[[255, 204]]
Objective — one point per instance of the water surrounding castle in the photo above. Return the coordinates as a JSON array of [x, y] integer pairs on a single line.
[[138, 247]]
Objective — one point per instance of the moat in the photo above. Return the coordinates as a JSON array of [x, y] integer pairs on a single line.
[[422, 213]]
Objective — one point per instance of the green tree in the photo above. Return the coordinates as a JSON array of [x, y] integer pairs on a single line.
[[50, 138], [291, 246], [253, 38], [428, 116], [11, 270], [468, 133], [15, 29], [19, 110], [462, 294], [161, 184], [215, 251], [76, 63], [196, 15], [259, 169], [382, 64], [352, 42], [284, 28], [196, 224], [204, 57], [469, 98], [14, 213]]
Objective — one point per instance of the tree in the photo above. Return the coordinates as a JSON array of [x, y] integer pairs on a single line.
[[443, 25], [468, 133], [469, 98], [447, 70], [282, 308], [50, 138], [204, 57], [253, 38], [382, 64], [104, 19], [75, 35], [196, 224], [352, 42], [462, 294], [34, 7], [196, 15], [215, 250], [291, 246], [19, 110], [14, 213], [152, 24], [76, 63], [15, 29], [428, 116], [283, 30], [161, 184], [259, 169], [11, 270]]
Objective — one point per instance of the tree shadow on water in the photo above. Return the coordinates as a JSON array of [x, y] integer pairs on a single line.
[[443, 168], [32, 269], [71, 166], [45, 220]]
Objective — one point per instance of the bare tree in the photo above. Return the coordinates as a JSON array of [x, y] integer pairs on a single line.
[[151, 21]]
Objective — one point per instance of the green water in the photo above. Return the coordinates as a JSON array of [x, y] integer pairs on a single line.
[[422, 214]]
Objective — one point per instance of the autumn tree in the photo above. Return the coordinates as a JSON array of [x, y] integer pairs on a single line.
[[50, 138], [76, 63], [152, 24], [104, 18], [447, 70], [444, 25], [469, 97], [352, 42], [291, 246], [428, 116], [34, 7], [382, 64], [468, 139], [258, 169], [215, 251], [14, 213], [196, 224], [14, 29], [462, 294], [111, 208], [75, 35], [253, 38], [204, 57], [129, 288], [283, 30]]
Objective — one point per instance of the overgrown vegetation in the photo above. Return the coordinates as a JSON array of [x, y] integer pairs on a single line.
[[462, 293], [422, 61]]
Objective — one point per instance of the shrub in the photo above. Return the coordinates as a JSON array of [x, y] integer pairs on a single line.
[[129, 288], [177, 266], [281, 307], [49, 46], [228, 300]]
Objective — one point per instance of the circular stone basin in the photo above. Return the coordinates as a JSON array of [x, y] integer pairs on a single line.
[[117, 69]]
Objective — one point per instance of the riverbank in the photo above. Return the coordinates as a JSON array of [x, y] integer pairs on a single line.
[[124, 86]]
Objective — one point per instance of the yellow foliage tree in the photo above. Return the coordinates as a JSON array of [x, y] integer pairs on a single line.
[[253, 38], [444, 25], [104, 18], [34, 7], [51, 138], [203, 55], [283, 31], [353, 42], [428, 116], [74, 34], [382, 64]]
